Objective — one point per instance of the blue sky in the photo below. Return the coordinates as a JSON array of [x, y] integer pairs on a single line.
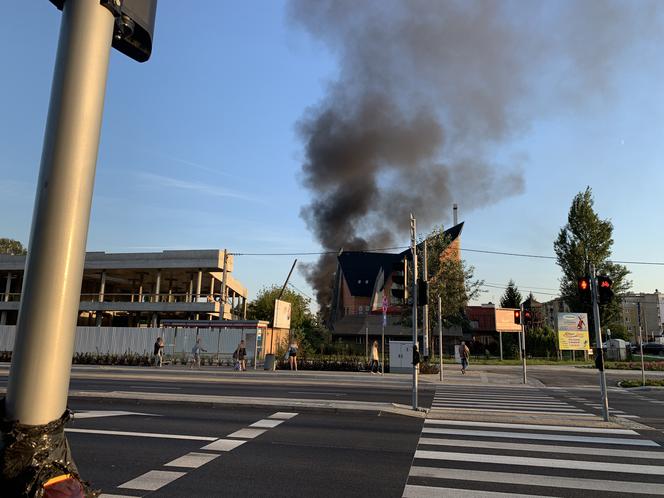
[[199, 149]]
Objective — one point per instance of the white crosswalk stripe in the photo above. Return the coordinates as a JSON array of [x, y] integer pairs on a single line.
[[501, 400], [459, 458]]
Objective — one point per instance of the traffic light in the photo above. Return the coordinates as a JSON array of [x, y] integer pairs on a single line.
[[604, 289], [527, 317], [584, 289], [134, 26], [399, 288], [422, 292], [517, 317]]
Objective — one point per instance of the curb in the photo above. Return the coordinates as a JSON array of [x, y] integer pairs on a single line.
[[285, 403]]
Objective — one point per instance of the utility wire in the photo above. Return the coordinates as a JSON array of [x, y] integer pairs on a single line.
[[481, 251]]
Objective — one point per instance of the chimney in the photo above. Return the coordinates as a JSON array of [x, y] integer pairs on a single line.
[[455, 208]]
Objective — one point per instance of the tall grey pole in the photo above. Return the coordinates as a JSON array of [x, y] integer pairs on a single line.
[[643, 369], [425, 310], [41, 363], [440, 335], [600, 350], [522, 346], [413, 241]]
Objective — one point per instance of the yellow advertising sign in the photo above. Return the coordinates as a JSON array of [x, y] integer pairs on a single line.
[[573, 331]]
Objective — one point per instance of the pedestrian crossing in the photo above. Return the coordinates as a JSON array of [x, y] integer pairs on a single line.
[[522, 399], [490, 459]]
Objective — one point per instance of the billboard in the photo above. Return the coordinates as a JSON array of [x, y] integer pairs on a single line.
[[505, 320], [573, 331], [282, 314]]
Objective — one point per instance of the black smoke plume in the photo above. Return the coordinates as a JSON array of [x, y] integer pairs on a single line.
[[426, 91]]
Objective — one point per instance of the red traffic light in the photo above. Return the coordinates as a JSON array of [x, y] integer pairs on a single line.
[[604, 284], [517, 317]]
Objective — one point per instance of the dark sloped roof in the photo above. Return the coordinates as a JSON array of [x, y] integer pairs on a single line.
[[360, 269], [451, 233]]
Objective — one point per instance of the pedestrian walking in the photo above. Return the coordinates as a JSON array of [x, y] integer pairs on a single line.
[[373, 363], [465, 355], [158, 352], [240, 356], [292, 355], [196, 353]]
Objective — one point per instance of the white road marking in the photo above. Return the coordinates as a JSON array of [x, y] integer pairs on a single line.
[[500, 402], [161, 388], [141, 434], [544, 448], [153, 480], [544, 437], [560, 408], [416, 491], [224, 445], [489, 409], [283, 415], [192, 460], [540, 462], [247, 433], [267, 423], [108, 413], [560, 428], [627, 487]]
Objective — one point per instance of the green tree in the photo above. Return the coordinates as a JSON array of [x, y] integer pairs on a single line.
[[587, 239], [13, 247], [450, 278], [512, 296], [306, 326]]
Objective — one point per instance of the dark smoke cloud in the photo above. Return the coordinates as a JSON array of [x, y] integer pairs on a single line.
[[426, 91]]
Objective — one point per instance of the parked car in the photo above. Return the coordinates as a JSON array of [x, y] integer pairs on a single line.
[[653, 348]]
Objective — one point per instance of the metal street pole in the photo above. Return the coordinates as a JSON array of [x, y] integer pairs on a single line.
[[440, 336], [425, 310], [643, 369], [382, 347], [522, 346], [413, 240], [600, 350], [41, 362]]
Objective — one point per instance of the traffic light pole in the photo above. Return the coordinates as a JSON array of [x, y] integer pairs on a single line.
[[522, 348], [41, 362], [600, 351], [413, 240], [440, 336], [35, 452], [425, 309]]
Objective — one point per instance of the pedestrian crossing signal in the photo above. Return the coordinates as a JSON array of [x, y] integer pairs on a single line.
[[584, 289], [604, 289], [527, 317], [517, 317]]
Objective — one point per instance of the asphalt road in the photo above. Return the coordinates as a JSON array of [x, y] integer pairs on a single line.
[[210, 382], [311, 454]]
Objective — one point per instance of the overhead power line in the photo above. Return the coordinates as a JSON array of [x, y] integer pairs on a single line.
[[463, 249]]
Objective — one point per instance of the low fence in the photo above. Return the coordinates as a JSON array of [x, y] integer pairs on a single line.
[[217, 342]]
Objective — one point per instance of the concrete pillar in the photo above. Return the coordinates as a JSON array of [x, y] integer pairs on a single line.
[[199, 282], [190, 297], [157, 287], [212, 286], [244, 308], [102, 289], [8, 288]]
